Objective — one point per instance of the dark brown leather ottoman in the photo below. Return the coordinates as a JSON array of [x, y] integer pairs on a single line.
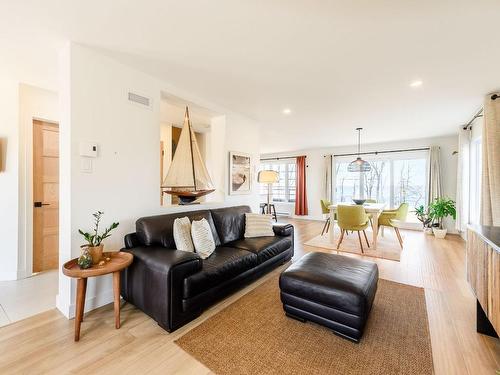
[[332, 290]]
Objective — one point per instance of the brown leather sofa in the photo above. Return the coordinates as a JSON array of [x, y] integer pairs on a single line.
[[174, 287]]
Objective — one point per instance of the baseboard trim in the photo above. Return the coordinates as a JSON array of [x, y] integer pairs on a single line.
[[8, 276], [68, 310]]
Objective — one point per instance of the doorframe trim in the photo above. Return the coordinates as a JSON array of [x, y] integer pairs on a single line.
[[26, 269]]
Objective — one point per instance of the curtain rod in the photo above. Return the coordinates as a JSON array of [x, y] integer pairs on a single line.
[[479, 113], [283, 157], [383, 152]]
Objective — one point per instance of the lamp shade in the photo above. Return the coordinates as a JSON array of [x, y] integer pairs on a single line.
[[268, 177], [359, 165]]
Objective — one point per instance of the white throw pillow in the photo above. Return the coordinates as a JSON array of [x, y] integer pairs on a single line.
[[182, 234], [257, 225], [203, 238]]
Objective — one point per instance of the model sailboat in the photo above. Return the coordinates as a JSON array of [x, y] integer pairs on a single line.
[[187, 177]]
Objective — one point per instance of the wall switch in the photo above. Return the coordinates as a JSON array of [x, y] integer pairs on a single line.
[[88, 149], [86, 165]]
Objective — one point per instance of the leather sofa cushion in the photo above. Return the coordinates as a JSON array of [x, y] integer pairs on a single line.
[[158, 230], [224, 264], [340, 282], [264, 247], [230, 222]]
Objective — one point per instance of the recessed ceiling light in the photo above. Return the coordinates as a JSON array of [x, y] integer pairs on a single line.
[[416, 83], [287, 111]]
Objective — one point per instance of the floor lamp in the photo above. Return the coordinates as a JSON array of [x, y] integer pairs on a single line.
[[268, 177]]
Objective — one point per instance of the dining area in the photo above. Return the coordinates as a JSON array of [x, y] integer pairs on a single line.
[[362, 222]]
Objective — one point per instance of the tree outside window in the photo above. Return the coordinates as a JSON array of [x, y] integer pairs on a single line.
[[391, 181]]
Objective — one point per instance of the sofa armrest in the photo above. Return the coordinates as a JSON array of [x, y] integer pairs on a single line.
[[154, 282], [283, 229], [132, 240]]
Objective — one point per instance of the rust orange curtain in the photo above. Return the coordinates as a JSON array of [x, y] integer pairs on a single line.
[[301, 194]]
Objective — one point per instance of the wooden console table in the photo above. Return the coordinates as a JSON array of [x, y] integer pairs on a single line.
[[483, 275], [118, 261]]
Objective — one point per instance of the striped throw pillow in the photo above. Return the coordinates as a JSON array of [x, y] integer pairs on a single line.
[[257, 225], [203, 238], [182, 234]]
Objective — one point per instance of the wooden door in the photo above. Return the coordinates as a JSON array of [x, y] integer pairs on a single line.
[[162, 177], [45, 196]]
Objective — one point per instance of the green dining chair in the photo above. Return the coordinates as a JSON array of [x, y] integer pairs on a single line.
[[353, 218], [370, 216], [325, 204], [387, 216]]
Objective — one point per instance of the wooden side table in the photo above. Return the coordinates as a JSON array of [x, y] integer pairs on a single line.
[[118, 262]]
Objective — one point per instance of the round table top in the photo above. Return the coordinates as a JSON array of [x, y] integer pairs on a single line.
[[119, 260]]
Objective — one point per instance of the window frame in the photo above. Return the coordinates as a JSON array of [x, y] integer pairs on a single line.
[[391, 158], [266, 165]]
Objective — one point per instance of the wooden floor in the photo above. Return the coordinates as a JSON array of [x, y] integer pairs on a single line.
[[44, 343]]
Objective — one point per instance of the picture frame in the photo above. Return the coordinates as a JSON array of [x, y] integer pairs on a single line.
[[240, 173]]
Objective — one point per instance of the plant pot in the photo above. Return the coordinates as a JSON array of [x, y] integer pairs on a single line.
[[96, 253], [428, 230], [439, 233]]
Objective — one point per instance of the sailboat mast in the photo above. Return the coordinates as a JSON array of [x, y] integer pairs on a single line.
[[191, 147]]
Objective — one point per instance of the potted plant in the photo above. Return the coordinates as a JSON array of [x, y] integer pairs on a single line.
[[94, 240], [424, 217], [438, 210]]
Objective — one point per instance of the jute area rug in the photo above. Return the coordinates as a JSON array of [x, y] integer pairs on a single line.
[[253, 336], [387, 246]]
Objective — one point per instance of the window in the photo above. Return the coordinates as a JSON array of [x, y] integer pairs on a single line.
[[393, 179], [475, 181], [284, 190]]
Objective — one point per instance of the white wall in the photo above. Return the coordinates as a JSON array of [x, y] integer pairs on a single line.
[[242, 135], [9, 177], [125, 179], [20, 105], [315, 167]]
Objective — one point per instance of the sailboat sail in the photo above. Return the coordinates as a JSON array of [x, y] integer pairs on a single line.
[[180, 173], [188, 175]]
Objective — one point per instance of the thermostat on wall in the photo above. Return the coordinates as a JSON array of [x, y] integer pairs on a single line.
[[88, 149]]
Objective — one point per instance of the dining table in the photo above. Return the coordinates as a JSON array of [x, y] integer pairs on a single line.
[[371, 208]]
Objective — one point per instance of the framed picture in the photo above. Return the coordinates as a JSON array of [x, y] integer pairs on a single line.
[[240, 181]]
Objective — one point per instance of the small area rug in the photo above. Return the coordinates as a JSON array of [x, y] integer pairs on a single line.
[[253, 336], [387, 246]]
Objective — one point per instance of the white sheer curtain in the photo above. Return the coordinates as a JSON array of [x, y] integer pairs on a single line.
[[463, 169], [490, 188], [435, 189], [328, 178]]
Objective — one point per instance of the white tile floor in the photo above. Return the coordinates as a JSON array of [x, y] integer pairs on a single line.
[[21, 299]]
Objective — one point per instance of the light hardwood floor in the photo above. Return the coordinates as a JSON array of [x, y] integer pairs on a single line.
[[44, 343]]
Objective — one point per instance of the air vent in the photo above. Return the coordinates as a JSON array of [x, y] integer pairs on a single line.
[[139, 99]]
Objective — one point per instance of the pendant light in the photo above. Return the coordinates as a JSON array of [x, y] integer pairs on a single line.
[[359, 165]]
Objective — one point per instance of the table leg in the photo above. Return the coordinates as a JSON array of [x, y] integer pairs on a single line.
[[332, 225], [375, 216], [116, 292], [81, 289]]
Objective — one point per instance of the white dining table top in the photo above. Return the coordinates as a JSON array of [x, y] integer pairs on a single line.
[[369, 207]]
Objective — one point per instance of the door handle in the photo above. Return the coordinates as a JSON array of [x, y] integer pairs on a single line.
[[40, 204]]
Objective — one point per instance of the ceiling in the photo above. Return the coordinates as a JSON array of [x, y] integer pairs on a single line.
[[173, 111], [337, 65]]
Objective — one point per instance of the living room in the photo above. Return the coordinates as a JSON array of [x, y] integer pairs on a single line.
[[249, 108]]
